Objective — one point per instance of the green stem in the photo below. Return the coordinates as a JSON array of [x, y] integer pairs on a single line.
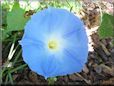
[[10, 78], [16, 58], [51, 81], [6, 80], [68, 3], [113, 25], [22, 66]]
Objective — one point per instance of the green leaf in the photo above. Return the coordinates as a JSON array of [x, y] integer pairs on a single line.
[[106, 28], [15, 19]]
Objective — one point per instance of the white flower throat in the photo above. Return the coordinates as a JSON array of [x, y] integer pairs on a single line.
[[55, 42]]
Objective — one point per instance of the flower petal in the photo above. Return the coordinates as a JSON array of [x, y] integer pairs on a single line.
[[67, 30]]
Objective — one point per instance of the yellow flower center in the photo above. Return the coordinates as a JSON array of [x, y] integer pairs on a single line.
[[53, 45]]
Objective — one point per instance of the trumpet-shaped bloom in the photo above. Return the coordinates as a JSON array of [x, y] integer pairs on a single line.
[[54, 43]]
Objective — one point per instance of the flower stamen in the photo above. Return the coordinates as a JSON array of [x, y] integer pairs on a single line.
[[53, 45]]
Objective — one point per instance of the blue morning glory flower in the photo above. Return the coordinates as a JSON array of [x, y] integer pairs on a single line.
[[54, 43]]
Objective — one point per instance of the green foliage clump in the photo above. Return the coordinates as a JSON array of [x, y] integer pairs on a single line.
[[106, 28], [15, 19]]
